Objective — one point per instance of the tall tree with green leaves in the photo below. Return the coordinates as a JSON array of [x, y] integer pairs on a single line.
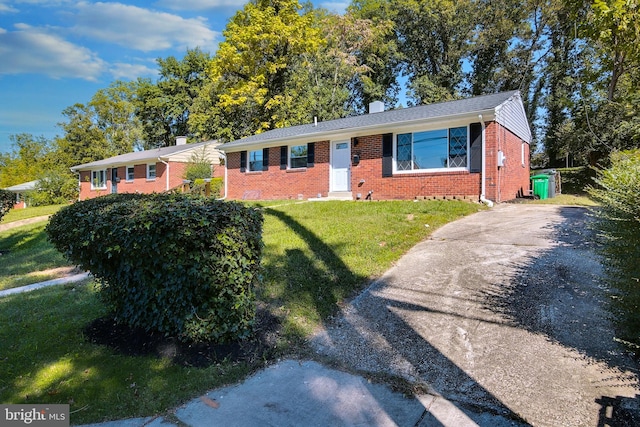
[[164, 107], [115, 115], [253, 86], [381, 55], [83, 140], [433, 37], [27, 160]]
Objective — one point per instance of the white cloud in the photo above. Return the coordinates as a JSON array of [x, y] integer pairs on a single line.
[[200, 4], [34, 50], [122, 70], [141, 29], [6, 8]]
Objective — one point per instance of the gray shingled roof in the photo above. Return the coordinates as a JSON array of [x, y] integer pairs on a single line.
[[403, 115], [138, 157]]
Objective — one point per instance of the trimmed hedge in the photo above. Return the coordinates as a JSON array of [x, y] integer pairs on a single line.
[[181, 265]]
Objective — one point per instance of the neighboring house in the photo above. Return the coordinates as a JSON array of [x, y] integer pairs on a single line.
[[476, 148], [149, 171], [21, 191]]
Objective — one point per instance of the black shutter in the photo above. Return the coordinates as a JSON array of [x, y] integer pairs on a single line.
[[387, 154], [475, 156], [243, 161], [284, 150], [311, 154], [265, 159]]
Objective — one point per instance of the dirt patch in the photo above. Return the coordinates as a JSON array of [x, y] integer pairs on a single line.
[[138, 342], [56, 272]]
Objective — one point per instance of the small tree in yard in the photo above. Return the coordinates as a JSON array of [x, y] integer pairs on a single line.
[[200, 169], [180, 265], [7, 200]]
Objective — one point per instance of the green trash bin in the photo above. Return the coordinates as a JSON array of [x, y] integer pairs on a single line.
[[540, 185]]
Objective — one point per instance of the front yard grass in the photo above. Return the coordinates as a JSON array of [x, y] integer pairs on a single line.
[[27, 257], [567, 200], [32, 212], [316, 256]]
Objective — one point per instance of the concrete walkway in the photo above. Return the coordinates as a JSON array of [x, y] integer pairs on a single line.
[[34, 286]]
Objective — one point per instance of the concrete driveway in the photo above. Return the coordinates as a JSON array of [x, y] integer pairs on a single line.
[[502, 312]]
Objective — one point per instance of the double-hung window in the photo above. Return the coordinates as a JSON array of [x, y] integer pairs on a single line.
[[434, 149], [256, 160], [298, 156], [99, 180], [151, 171], [130, 173]]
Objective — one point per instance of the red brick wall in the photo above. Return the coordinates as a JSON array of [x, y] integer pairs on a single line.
[[502, 184], [511, 180], [275, 183], [140, 184], [405, 186]]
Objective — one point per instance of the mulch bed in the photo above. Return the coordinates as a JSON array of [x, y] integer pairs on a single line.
[[138, 342]]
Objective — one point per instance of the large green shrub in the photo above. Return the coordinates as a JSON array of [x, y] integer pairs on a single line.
[[576, 180], [181, 265], [619, 225], [7, 200]]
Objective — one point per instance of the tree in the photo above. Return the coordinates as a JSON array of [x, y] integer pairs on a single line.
[[199, 166], [252, 85], [26, 161], [114, 109], [614, 26], [164, 107], [381, 55], [83, 140], [433, 35]]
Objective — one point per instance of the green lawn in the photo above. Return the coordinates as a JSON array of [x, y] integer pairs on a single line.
[[567, 200], [26, 254], [315, 256], [18, 214]]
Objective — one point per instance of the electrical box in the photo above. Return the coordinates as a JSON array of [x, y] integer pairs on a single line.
[[501, 159]]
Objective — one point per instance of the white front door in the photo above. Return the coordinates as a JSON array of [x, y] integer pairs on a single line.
[[340, 166]]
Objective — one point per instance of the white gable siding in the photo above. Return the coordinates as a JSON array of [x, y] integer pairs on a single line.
[[512, 116], [210, 150]]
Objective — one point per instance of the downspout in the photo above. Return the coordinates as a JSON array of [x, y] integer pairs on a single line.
[[224, 156], [166, 171], [483, 193]]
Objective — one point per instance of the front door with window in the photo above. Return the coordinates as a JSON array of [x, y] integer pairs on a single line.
[[340, 166]]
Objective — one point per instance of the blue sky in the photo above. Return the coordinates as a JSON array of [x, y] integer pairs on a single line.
[[55, 53]]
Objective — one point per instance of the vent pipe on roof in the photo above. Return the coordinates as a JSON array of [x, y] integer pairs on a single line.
[[315, 121], [181, 140], [376, 107]]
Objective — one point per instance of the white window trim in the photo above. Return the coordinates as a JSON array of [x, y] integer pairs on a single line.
[[433, 170], [102, 187], [155, 171], [126, 172]]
